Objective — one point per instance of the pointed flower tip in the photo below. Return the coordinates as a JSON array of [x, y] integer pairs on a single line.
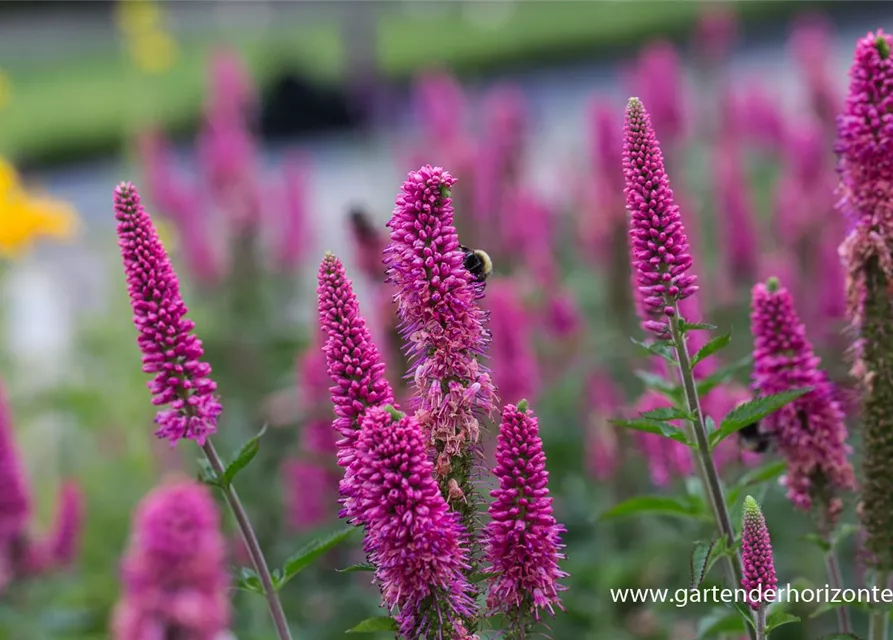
[[633, 102], [751, 506], [882, 44], [395, 413], [522, 406], [773, 284]]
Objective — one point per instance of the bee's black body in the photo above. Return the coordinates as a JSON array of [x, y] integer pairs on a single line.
[[478, 263], [753, 439], [362, 224]]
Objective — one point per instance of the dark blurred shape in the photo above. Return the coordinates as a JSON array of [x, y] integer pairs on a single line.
[[361, 224], [18, 7], [295, 105]]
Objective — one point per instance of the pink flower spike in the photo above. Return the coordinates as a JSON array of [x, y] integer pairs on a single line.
[[15, 503], [170, 349], [523, 540], [418, 546], [354, 365], [175, 582], [810, 431], [65, 538], [442, 324], [756, 556], [659, 244]]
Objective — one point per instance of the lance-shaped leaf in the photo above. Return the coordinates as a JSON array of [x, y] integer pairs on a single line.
[[752, 411], [305, 556], [695, 326], [711, 347], [700, 554], [667, 413], [660, 348], [243, 457], [371, 625], [660, 384], [658, 505], [248, 580], [361, 566], [723, 375], [759, 475], [720, 623], [778, 619], [656, 427]]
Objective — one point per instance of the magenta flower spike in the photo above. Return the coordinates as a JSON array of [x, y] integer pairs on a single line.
[[442, 324], [418, 546], [756, 556], [810, 431], [354, 365], [658, 78], [523, 539], [65, 537], [309, 489], [659, 245], [170, 349], [736, 213], [515, 367], [174, 575], [290, 236], [15, 502]]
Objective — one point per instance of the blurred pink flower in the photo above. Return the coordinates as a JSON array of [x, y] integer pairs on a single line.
[[515, 369], [174, 576]]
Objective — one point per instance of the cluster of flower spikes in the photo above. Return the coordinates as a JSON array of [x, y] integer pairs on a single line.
[[810, 431], [170, 350]]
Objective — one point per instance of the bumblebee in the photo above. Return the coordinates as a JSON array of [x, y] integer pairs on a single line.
[[362, 224], [478, 263], [752, 439]]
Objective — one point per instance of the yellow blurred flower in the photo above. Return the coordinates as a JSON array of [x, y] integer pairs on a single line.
[[141, 22], [166, 233], [153, 52], [26, 217]]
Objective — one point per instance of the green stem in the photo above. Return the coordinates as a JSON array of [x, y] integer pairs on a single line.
[[252, 545], [760, 616], [836, 580], [877, 622], [709, 474]]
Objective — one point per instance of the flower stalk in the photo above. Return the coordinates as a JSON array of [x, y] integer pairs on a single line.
[[709, 473], [251, 545]]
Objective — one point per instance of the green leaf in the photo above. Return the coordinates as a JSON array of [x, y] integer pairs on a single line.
[[362, 566], [719, 550], [248, 580], [698, 562], [745, 613], [843, 532], [245, 455], [720, 622], [715, 344], [656, 505], [371, 625], [661, 348], [723, 375], [778, 619], [305, 556], [653, 426], [660, 384], [666, 413], [695, 326], [818, 541], [206, 473], [750, 412], [478, 576], [759, 475]]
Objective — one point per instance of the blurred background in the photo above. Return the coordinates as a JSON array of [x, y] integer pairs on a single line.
[[263, 133]]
